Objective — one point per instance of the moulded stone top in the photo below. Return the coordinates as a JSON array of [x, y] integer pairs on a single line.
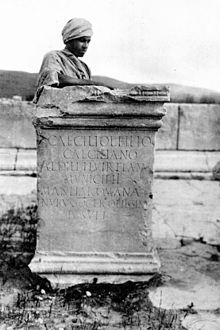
[[140, 106], [51, 97]]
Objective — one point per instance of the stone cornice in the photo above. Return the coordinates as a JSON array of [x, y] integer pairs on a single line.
[[54, 97], [100, 107]]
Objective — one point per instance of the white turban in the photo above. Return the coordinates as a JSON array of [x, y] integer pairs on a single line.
[[76, 28]]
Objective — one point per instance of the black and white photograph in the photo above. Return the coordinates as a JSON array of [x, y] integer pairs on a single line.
[[110, 165]]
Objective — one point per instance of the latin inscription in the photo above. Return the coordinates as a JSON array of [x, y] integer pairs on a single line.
[[90, 174], [98, 141]]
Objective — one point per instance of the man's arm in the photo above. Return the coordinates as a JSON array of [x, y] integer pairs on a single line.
[[69, 81]]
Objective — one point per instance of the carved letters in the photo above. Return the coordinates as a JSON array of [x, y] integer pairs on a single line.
[[124, 141], [96, 172]]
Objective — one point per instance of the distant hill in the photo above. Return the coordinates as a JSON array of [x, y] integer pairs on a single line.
[[17, 83], [24, 84], [178, 93]]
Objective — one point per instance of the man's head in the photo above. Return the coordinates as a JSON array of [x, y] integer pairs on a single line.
[[76, 35]]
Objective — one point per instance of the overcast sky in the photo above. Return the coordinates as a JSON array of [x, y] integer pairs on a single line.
[[144, 41]]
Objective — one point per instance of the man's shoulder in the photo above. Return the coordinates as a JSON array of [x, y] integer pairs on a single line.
[[53, 53]]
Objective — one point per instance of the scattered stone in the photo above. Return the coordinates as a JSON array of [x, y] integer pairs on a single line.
[[88, 293]]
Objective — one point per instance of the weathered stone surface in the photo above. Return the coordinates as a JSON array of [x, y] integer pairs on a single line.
[[16, 186], [95, 171], [94, 184], [204, 295], [173, 200], [8, 159], [26, 160], [167, 136], [187, 208], [169, 164], [216, 171], [199, 127], [15, 124], [186, 161], [17, 130], [202, 320], [66, 98], [192, 283]]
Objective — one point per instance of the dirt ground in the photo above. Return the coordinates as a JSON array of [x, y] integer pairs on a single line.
[[192, 279], [89, 306], [185, 295]]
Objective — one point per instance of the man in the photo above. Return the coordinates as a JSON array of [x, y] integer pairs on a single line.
[[64, 68]]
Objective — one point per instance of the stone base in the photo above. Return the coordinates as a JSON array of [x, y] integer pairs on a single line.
[[115, 267]]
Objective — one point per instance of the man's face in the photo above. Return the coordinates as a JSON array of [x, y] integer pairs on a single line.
[[78, 46]]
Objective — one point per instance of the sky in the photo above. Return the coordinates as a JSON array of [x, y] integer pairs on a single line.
[[138, 41]]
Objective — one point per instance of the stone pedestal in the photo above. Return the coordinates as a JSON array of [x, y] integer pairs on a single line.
[[95, 153]]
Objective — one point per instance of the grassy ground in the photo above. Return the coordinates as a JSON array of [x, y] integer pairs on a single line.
[[90, 306]]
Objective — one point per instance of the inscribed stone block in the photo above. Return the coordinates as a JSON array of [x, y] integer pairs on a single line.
[[95, 153]]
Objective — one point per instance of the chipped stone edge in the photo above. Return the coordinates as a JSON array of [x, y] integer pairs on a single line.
[[95, 263], [66, 280], [97, 123], [50, 96]]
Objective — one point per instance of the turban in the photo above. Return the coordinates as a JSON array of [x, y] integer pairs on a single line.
[[76, 28]]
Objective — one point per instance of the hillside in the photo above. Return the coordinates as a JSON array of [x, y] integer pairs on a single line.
[[178, 93], [17, 83], [24, 84]]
